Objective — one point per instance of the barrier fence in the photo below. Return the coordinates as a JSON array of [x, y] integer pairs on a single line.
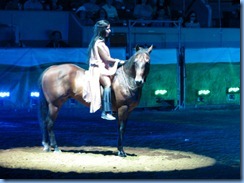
[[211, 75]]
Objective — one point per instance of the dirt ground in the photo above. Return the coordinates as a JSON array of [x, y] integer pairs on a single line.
[[102, 159], [189, 144]]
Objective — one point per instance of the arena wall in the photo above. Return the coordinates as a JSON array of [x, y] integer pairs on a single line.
[[214, 69]]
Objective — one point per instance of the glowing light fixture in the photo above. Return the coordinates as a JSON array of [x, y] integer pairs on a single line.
[[203, 92], [233, 90], [160, 92], [4, 94], [231, 93], [34, 94]]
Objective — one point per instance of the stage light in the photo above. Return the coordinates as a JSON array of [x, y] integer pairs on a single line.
[[160, 92], [4, 94], [231, 93], [160, 95], [233, 90], [203, 92], [34, 94], [34, 99]]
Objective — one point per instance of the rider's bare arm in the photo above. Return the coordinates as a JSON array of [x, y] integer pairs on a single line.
[[104, 55]]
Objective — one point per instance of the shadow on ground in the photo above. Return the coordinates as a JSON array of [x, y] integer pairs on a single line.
[[211, 133]]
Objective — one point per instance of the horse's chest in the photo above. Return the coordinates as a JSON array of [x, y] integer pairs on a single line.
[[132, 95], [129, 96], [125, 94]]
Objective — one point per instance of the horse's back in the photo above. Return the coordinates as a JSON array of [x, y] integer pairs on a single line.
[[62, 81], [64, 68]]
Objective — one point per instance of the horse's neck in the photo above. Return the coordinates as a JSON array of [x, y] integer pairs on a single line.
[[125, 74], [128, 68]]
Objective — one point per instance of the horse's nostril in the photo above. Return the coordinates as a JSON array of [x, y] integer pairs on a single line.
[[138, 83]]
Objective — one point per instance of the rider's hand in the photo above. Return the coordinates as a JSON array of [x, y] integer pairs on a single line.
[[117, 60], [121, 62]]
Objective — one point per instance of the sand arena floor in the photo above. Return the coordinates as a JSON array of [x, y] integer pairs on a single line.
[[160, 145], [102, 159]]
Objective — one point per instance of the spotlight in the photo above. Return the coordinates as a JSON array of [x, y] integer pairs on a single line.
[[3, 97], [160, 92], [4, 94], [33, 98], [231, 93], [203, 92], [233, 90], [159, 95], [34, 94]]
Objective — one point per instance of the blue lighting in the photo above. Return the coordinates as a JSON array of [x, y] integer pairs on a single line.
[[4, 94], [34, 94]]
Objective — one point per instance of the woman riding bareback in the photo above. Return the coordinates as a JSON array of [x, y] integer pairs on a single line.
[[102, 68]]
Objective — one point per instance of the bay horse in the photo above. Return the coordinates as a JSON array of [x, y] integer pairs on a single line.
[[58, 83]]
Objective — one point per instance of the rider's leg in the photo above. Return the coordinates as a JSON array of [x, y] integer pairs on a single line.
[[106, 100]]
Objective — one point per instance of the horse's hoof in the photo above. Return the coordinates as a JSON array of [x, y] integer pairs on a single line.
[[57, 151], [122, 154], [46, 149]]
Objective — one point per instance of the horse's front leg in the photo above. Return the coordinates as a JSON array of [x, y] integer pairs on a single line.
[[122, 121]]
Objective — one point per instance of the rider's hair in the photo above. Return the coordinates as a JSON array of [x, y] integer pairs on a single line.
[[99, 33]]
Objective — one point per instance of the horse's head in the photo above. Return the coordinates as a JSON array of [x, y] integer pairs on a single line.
[[142, 64]]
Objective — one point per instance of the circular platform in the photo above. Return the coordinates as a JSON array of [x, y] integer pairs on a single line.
[[102, 159]]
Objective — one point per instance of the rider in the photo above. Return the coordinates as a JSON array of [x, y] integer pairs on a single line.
[[101, 70]]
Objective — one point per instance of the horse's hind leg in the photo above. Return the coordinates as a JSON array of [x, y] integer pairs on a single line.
[[43, 119], [53, 111], [45, 143]]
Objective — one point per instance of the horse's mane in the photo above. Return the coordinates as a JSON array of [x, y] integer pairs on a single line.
[[131, 60]]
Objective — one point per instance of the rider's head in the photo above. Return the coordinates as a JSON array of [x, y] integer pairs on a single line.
[[102, 29]]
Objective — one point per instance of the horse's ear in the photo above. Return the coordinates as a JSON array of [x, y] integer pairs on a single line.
[[138, 47], [149, 50]]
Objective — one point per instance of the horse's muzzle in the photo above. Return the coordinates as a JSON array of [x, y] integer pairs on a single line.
[[139, 83]]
